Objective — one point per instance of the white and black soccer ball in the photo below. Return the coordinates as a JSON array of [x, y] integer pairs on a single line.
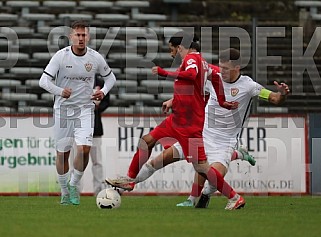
[[108, 199]]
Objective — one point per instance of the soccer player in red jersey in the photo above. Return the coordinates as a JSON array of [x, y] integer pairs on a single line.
[[185, 123]]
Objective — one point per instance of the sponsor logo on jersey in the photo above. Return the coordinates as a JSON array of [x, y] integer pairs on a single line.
[[190, 61], [234, 91], [88, 66], [68, 66], [80, 78]]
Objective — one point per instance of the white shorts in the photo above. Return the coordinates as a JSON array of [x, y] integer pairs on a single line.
[[214, 153], [68, 131], [218, 153]]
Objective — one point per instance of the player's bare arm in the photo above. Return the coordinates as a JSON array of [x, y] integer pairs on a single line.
[[279, 96], [167, 105]]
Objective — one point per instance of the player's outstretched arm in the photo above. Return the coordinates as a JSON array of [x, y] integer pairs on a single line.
[[189, 74], [279, 96]]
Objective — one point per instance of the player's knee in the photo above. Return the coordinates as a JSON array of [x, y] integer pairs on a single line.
[[201, 168], [147, 142]]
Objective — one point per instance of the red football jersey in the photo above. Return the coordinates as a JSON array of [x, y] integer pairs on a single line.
[[189, 97]]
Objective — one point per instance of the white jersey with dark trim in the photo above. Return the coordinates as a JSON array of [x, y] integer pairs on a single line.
[[78, 73], [223, 126]]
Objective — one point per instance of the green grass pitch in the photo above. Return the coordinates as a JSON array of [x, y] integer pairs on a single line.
[[158, 216]]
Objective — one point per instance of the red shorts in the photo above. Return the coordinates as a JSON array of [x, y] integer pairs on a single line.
[[192, 143]]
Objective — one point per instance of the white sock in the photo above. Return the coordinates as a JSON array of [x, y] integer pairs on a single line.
[[75, 177], [239, 154], [192, 198], [63, 182], [145, 172], [209, 189]]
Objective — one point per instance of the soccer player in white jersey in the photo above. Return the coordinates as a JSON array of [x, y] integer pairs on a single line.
[[70, 76], [221, 126]]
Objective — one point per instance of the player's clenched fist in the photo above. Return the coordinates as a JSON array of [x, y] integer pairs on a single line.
[[66, 93]]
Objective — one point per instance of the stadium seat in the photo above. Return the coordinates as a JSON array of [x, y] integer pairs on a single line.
[[165, 96], [44, 29], [31, 45], [137, 98], [19, 96], [14, 56], [174, 4], [19, 30], [32, 83], [166, 31], [7, 19], [125, 56], [99, 32], [125, 83], [23, 5], [75, 16], [33, 42], [133, 110], [138, 71], [59, 4], [89, 5], [150, 19], [35, 110], [157, 84], [133, 5], [39, 18], [45, 56], [112, 17], [47, 96], [144, 42], [27, 72], [97, 43], [7, 110], [312, 5], [9, 83], [116, 71], [129, 31], [124, 86]]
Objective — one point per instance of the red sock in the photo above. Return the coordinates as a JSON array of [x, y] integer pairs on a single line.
[[139, 159], [234, 156], [196, 190], [217, 180]]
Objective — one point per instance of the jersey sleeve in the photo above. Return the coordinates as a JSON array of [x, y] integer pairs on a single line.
[[254, 87], [190, 63], [107, 74], [51, 70], [103, 67], [187, 71], [54, 64]]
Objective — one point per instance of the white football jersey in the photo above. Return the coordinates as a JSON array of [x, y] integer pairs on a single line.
[[223, 126], [78, 73]]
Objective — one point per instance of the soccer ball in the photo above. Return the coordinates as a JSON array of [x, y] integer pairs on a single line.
[[108, 199]]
